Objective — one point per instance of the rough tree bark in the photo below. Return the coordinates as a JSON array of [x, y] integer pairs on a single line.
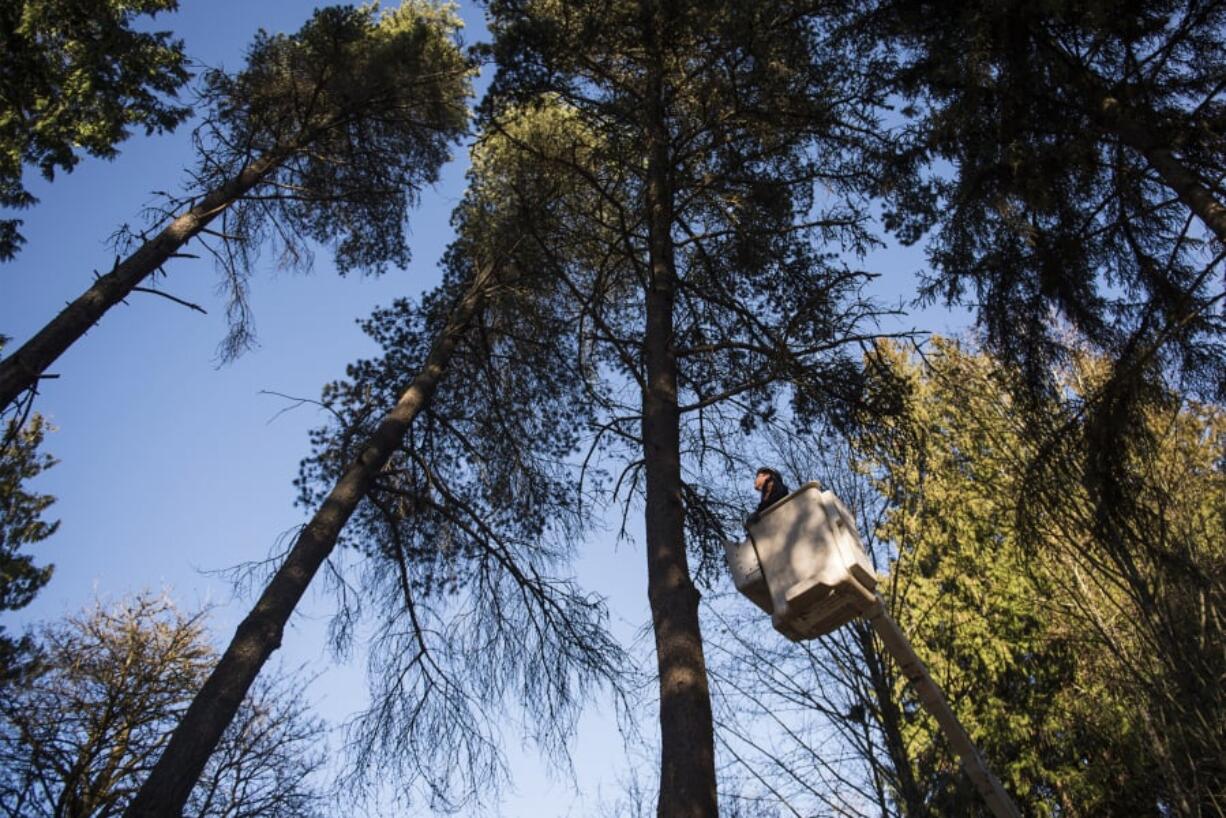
[[174, 775], [687, 749], [21, 370]]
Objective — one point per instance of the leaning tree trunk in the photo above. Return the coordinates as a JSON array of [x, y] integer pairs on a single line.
[[193, 741], [1113, 115], [21, 370], [687, 745], [1182, 181]]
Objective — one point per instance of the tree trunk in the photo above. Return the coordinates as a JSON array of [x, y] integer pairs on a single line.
[[1182, 181], [176, 772], [1115, 116], [687, 746], [21, 370], [908, 795]]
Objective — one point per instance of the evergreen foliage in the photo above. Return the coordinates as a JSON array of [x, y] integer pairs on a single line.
[[353, 114], [326, 136], [76, 78], [21, 524], [764, 294], [1084, 669], [1076, 165], [21, 512], [1076, 160]]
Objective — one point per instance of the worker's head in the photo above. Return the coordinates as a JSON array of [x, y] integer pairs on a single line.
[[765, 477]]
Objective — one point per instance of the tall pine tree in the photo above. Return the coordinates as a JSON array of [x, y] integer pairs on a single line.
[[701, 135], [452, 493], [326, 135]]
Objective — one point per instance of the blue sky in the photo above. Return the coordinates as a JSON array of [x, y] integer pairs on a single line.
[[173, 467]]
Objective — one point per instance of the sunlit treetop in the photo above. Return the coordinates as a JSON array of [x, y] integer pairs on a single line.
[[347, 119]]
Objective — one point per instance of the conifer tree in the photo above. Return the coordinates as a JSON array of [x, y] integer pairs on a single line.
[[998, 619], [259, 634], [1076, 188], [77, 77], [21, 524], [701, 133], [467, 531], [459, 511], [325, 136]]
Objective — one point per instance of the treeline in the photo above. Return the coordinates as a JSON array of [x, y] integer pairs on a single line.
[[1084, 667]]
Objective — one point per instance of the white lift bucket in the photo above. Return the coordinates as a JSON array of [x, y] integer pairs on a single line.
[[804, 564]]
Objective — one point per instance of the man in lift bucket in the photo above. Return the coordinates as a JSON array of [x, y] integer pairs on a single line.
[[769, 484]]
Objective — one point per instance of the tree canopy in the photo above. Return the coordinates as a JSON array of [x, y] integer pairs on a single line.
[[81, 724], [76, 78], [21, 523], [1075, 653], [1066, 659], [656, 276], [1075, 169], [326, 136]]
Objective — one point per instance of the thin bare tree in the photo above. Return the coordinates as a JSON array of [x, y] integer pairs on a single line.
[[82, 724]]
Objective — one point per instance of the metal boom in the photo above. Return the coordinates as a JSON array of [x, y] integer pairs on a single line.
[[934, 702]]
